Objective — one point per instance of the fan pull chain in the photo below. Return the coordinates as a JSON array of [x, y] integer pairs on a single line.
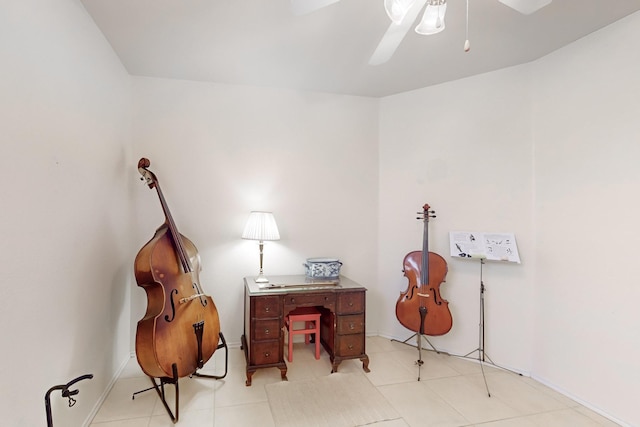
[[467, 45]]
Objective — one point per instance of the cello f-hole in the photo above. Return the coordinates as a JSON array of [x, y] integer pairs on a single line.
[[435, 296]]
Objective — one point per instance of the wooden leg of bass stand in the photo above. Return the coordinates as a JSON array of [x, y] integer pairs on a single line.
[[161, 394], [223, 344]]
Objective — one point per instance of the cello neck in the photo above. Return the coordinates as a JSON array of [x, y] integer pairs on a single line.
[[424, 267]]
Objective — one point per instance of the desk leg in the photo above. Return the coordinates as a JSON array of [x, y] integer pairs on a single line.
[[249, 375], [283, 374], [365, 363]]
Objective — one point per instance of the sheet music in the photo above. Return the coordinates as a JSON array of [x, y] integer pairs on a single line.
[[485, 245]]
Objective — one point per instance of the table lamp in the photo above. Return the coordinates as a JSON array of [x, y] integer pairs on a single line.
[[261, 226]]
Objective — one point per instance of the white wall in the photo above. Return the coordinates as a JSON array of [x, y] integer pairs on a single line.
[[547, 150], [66, 210], [220, 151], [587, 146], [465, 149]]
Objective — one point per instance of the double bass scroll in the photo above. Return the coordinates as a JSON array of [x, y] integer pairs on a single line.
[[421, 308]]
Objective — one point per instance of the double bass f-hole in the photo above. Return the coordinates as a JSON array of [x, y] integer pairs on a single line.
[[173, 307]]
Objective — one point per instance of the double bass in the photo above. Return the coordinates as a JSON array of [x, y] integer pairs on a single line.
[[180, 329], [421, 308]]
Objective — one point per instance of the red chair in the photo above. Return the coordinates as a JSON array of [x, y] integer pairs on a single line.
[[311, 318]]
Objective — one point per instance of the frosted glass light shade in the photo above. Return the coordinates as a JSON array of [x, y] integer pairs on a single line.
[[433, 19], [398, 9], [261, 226]]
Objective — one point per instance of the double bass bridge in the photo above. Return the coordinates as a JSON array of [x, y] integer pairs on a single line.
[[192, 297]]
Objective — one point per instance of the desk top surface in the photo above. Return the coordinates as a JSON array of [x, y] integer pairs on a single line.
[[298, 283]]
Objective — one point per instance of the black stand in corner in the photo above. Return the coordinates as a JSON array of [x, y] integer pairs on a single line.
[[159, 388], [65, 393], [482, 355]]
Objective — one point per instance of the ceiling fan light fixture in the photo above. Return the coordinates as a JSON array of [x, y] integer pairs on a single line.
[[432, 21], [398, 9]]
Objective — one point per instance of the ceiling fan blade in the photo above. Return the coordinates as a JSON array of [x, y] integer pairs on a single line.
[[526, 7], [302, 7], [394, 35]]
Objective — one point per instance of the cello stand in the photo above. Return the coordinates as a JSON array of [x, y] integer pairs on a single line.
[[420, 335], [419, 344], [482, 355], [159, 388], [419, 338]]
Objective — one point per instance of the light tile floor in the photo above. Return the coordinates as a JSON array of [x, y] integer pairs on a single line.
[[451, 392]]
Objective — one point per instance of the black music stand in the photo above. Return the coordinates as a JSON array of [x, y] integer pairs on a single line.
[[482, 245], [482, 354]]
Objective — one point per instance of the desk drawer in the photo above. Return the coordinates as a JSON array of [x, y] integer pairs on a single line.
[[265, 307], [310, 300], [350, 302], [349, 345], [265, 352], [351, 324], [266, 329]]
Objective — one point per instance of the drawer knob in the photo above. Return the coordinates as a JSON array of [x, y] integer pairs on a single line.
[[267, 354], [293, 300], [267, 309], [350, 303], [352, 326], [350, 346], [266, 331]]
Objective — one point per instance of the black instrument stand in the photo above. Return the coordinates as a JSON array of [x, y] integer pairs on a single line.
[[65, 393], [482, 355], [159, 388], [419, 344]]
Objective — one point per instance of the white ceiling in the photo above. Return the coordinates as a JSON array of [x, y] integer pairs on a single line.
[[261, 42]]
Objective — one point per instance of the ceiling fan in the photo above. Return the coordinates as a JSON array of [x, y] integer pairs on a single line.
[[403, 13]]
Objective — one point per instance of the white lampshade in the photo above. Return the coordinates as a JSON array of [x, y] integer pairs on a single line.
[[261, 226], [398, 9], [433, 19]]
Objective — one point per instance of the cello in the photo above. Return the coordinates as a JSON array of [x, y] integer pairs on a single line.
[[179, 332], [421, 308]]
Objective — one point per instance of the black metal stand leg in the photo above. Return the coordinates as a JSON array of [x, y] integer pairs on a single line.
[[161, 394], [423, 337], [160, 388], [223, 344]]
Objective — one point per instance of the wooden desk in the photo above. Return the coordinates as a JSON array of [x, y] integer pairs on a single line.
[[342, 331]]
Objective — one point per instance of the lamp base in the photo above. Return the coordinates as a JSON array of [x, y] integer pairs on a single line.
[[261, 279]]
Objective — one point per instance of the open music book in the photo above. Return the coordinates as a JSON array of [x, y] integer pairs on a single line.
[[483, 245]]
